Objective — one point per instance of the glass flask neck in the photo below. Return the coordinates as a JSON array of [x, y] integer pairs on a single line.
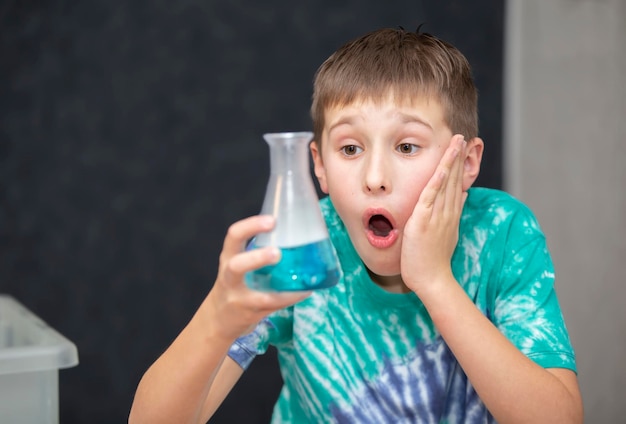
[[290, 196], [289, 152]]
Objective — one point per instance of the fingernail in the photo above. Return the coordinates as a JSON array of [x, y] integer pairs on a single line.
[[275, 253], [267, 220]]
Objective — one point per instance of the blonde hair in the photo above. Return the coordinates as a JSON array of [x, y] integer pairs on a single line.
[[405, 64]]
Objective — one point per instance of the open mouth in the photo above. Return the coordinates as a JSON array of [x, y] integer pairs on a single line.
[[380, 225], [381, 230]]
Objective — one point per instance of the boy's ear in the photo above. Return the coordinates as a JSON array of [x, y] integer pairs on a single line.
[[473, 158], [318, 166]]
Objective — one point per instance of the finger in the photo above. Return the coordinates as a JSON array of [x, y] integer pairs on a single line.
[[271, 301], [447, 167], [461, 195], [243, 262], [241, 231], [463, 199], [454, 185], [431, 194]]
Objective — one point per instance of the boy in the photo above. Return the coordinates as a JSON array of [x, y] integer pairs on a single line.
[[446, 312]]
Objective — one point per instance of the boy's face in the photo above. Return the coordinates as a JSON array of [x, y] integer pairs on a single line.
[[374, 162]]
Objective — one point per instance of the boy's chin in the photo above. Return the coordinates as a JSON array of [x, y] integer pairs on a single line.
[[383, 272], [392, 282]]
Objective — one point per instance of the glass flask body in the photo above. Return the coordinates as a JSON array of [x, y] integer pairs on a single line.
[[309, 260]]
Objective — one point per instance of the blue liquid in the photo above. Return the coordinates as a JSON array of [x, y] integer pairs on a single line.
[[308, 267]]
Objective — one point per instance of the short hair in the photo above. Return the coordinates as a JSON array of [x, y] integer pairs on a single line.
[[405, 64]]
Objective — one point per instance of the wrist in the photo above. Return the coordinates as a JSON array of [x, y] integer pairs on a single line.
[[434, 288], [209, 323], [444, 300]]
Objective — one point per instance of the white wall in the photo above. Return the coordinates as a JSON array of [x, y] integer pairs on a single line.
[[565, 156]]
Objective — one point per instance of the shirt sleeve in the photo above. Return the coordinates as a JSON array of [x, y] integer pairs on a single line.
[[527, 310], [273, 330]]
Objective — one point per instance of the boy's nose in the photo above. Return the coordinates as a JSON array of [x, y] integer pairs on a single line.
[[374, 188], [377, 177]]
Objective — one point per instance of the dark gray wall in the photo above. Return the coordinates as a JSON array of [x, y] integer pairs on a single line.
[[130, 138]]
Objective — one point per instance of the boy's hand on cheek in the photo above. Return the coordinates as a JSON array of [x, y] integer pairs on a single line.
[[232, 309], [432, 231]]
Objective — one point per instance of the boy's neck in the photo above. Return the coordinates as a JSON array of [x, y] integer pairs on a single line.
[[392, 283]]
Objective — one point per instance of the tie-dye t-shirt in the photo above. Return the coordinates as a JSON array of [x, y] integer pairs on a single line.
[[356, 353]]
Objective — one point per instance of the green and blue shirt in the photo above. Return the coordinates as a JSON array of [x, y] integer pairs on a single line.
[[356, 353]]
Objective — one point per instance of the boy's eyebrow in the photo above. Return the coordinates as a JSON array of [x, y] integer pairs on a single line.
[[405, 118], [350, 120], [409, 118]]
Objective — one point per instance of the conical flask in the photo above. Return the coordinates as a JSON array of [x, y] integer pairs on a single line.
[[309, 260]]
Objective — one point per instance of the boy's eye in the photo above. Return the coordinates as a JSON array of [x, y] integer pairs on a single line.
[[407, 148], [350, 150]]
